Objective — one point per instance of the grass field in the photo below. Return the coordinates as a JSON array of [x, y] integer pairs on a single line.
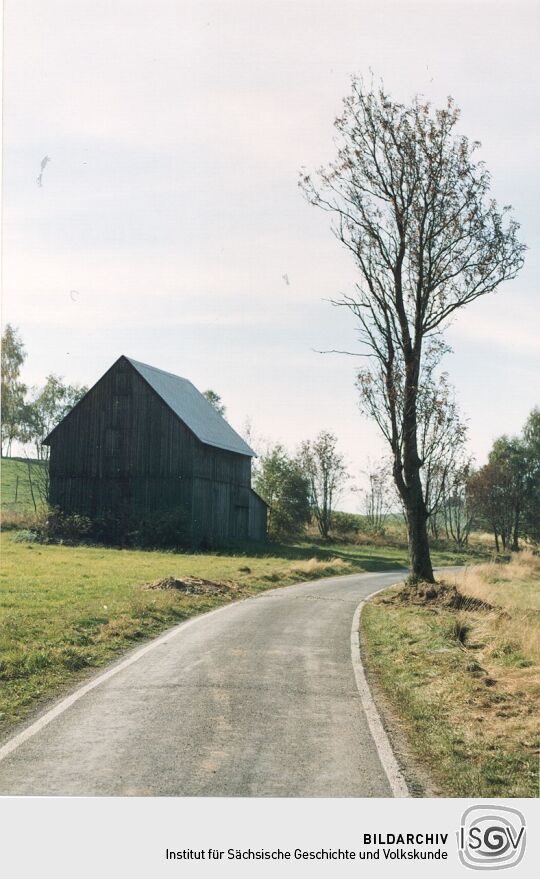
[[464, 682], [68, 610], [19, 496]]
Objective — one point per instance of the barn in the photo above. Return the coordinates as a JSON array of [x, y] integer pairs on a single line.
[[143, 442]]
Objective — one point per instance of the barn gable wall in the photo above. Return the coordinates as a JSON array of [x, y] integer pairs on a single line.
[[122, 450]]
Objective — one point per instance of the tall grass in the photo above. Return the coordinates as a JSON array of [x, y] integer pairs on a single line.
[[515, 589], [464, 682]]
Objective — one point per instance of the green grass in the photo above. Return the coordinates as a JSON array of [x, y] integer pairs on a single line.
[[464, 684], [16, 495], [68, 610]]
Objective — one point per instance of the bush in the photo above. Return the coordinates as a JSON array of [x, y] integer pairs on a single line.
[[69, 527], [26, 536], [107, 528], [345, 524], [160, 530]]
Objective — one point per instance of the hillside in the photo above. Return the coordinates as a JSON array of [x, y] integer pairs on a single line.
[[21, 479]]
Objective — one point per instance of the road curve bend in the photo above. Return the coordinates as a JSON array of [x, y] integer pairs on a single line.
[[256, 699]]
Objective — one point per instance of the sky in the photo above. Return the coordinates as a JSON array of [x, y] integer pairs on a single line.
[[169, 225]]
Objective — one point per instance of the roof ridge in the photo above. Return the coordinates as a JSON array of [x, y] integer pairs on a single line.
[[192, 407], [163, 371]]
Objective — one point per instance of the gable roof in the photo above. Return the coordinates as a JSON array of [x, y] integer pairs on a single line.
[[192, 408], [188, 404]]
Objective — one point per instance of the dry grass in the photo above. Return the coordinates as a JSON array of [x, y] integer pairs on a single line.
[[313, 566], [12, 520], [515, 588], [507, 585], [465, 681]]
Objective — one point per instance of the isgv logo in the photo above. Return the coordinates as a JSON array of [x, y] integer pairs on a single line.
[[491, 837]]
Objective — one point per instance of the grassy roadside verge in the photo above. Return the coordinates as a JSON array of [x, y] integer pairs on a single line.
[[66, 611], [464, 680]]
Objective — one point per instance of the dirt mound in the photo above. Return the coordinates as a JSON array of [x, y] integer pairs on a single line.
[[192, 585], [437, 594]]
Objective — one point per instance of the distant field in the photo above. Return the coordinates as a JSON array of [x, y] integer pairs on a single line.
[[464, 683], [15, 486]]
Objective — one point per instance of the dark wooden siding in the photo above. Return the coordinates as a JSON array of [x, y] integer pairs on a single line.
[[122, 428], [122, 450], [258, 514]]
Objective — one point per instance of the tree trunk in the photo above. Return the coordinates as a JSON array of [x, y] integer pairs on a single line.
[[421, 567], [515, 541], [409, 486], [496, 539], [410, 483]]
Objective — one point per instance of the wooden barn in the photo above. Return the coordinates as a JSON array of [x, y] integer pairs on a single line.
[[144, 442]]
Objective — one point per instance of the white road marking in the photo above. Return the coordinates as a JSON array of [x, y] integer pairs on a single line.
[[389, 763], [384, 749], [43, 721]]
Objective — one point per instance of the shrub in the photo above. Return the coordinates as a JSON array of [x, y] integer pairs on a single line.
[[162, 529], [26, 536], [165, 529], [345, 524], [69, 527]]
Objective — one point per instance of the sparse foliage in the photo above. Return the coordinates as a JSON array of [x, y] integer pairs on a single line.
[[38, 482], [377, 497], [46, 409], [455, 505], [215, 400], [325, 468], [413, 206], [13, 390], [442, 433]]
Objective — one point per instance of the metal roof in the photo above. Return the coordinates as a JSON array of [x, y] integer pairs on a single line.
[[193, 409]]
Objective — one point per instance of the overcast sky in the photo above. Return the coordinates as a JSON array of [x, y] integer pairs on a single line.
[[169, 225]]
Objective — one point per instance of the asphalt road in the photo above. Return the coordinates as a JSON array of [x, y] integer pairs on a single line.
[[259, 699]]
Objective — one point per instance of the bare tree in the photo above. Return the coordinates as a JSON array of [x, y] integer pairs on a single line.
[[327, 474], [412, 206], [38, 481], [442, 433], [456, 504], [377, 498]]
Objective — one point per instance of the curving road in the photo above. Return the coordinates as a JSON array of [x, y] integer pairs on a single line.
[[258, 699]]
